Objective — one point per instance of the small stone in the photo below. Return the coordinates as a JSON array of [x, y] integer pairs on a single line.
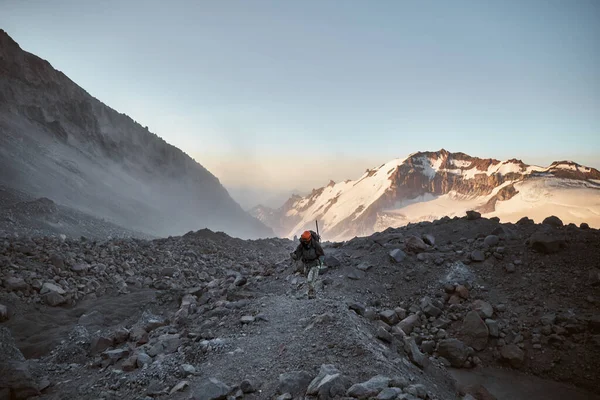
[[357, 308], [493, 328], [477, 255], [462, 291], [389, 317], [409, 323], [187, 369], [384, 335], [143, 359], [428, 346], [365, 266], [248, 386], [484, 309], [247, 319], [180, 387], [491, 240], [510, 268], [417, 390], [355, 274], [429, 239], [81, 267], [130, 364], [397, 255], [99, 344]]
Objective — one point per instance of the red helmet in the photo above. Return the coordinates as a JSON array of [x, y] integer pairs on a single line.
[[306, 237]]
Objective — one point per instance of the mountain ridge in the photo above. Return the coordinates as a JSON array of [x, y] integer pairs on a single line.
[[60, 142], [352, 208]]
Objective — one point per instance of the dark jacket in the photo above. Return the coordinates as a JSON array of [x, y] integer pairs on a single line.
[[309, 253]]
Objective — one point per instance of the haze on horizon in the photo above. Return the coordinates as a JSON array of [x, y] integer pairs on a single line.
[[279, 96]]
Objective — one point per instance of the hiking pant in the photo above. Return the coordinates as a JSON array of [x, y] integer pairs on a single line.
[[311, 270]]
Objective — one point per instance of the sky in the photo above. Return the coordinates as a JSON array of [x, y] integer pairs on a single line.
[[275, 96]]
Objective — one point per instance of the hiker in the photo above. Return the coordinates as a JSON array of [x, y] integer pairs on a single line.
[[309, 252]]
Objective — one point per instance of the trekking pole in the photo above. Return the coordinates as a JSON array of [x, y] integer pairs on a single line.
[[317, 223]]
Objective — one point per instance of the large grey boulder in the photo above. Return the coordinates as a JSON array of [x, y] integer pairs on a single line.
[[15, 377]]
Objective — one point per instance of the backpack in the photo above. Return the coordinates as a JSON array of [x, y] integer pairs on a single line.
[[315, 236]]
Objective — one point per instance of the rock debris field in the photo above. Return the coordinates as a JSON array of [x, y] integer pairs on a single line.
[[205, 316]]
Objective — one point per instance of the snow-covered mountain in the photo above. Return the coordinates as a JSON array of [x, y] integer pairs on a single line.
[[57, 141], [429, 185]]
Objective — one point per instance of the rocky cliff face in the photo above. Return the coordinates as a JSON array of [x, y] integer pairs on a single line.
[[353, 208], [59, 142]]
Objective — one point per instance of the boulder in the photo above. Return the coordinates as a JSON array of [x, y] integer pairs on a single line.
[[370, 388], [294, 383], [390, 393], [512, 354], [525, 221], [413, 352], [473, 215], [545, 243], [409, 323], [16, 380], [428, 239], [329, 383], [384, 335], [453, 350], [331, 261], [474, 331], [484, 308], [397, 255], [430, 309], [15, 284], [493, 327], [584, 225], [53, 299], [51, 288], [415, 245], [389, 317], [553, 221], [491, 240], [81, 267], [248, 385], [211, 389]]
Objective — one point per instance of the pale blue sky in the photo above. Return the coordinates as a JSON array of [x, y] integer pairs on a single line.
[[254, 89]]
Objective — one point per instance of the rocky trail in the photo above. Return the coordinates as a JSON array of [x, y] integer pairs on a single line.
[[424, 311]]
